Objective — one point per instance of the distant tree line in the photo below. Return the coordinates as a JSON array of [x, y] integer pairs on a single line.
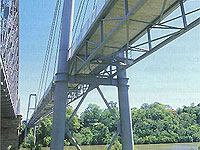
[[152, 123]]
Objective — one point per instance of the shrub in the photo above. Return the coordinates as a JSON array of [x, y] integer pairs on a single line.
[[47, 141], [38, 147]]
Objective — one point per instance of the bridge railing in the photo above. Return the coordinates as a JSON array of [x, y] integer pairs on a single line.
[[98, 7]]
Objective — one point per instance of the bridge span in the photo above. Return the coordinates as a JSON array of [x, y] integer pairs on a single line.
[[9, 63], [108, 44]]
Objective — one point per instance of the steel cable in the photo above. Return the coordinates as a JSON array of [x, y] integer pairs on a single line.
[[52, 45], [84, 15], [48, 50], [77, 22], [56, 55]]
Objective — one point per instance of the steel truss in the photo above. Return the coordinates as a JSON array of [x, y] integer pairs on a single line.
[[107, 65], [9, 46], [45, 105], [110, 69], [90, 88], [131, 49], [134, 52], [113, 63], [82, 98]]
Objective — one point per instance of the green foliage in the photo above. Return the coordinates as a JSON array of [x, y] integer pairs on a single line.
[[75, 124], [152, 123], [47, 141], [43, 131], [85, 136], [29, 141], [91, 114], [38, 147], [158, 123], [116, 146]]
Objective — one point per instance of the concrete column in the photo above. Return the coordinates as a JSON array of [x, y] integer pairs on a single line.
[[124, 109], [61, 86]]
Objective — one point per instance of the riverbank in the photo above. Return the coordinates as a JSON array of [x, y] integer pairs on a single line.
[[170, 146]]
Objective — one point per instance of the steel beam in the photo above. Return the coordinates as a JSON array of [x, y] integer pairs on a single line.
[[92, 80], [162, 44], [183, 13], [149, 38], [61, 87]]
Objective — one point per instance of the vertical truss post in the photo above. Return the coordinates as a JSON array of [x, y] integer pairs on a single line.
[[127, 26], [125, 7], [86, 51], [110, 69], [124, 109], [183, 13], [101, 31], [149, 38], [75, 64], [61, 81]]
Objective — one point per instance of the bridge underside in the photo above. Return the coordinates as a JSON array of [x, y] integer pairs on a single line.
[[9, 63], [9, 120], [95, 59], [7, 110], [114, 30]]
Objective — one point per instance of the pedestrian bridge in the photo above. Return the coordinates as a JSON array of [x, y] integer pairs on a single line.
[[115, 27]]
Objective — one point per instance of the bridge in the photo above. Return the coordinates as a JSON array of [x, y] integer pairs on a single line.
[[110, 41], [9, 61]]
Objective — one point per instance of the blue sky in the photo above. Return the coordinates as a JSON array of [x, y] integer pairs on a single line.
[[169, 76]]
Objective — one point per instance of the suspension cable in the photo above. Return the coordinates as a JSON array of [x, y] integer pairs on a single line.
[[77, 22], [94, 4], [84, 15], [52, 46], [48, 49], [79, 9], [56, 54]]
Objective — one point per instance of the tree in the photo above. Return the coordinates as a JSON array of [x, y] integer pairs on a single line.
[[91, 114], [84, 137], [100, 134], [152, 123]]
